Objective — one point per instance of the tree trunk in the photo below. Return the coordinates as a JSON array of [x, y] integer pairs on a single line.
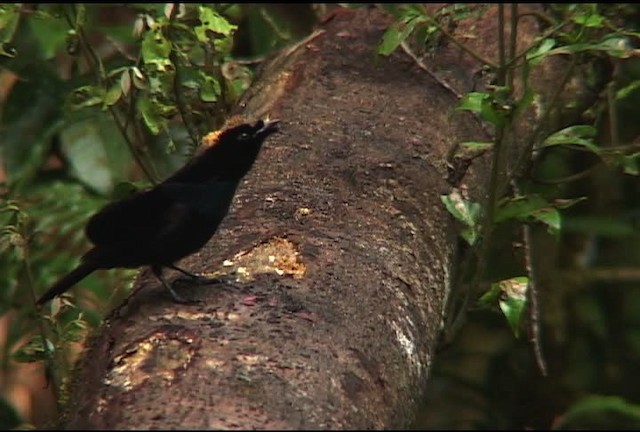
[[341, 249]]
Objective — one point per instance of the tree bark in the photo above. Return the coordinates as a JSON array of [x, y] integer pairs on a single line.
[[338, 251]]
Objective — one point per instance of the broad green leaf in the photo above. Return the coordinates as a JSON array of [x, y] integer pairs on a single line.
[[520, 207], [155, 47], [113, 95], [511, 296], [627, 90], [33, 350], [615, 46], [550, 217], [211, 21], [86, 96], [589, 20], [536, 55], [473, 101], [466, 212], [628, 163], [210, 89], [600, 412], [476, 145], [472, 148], [482, 103], [581, 135], [83, 146], [398, 33], [97, 153], [9, 19], [150, 115], [50, 32]]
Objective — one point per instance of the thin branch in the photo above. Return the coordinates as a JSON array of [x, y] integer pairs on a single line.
[[459, 44], [524, 161], [501, 78], [513, 36], [101, 78], [532, 292], [185, 113]]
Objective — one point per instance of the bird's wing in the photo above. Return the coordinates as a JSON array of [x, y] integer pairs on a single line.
[[131, 219], [146, 216]]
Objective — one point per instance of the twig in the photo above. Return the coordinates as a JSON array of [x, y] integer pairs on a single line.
[[185, 113], [459, 44], [422, 66], [532, 292], [100, 76]]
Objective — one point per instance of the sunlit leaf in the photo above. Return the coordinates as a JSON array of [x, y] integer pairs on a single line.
[[155, 47], [510, 295], [466, 212], [212, 22], [33, 350]]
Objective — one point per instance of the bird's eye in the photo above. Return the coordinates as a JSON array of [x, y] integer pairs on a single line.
[[244, 136]]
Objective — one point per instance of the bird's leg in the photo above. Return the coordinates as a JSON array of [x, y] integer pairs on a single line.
[[195, 277], [157, 270]]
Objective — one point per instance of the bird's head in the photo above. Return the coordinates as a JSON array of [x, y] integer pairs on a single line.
[[228, 153], [247, 134]]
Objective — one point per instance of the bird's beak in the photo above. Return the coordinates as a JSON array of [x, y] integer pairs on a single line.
[[269, 127]]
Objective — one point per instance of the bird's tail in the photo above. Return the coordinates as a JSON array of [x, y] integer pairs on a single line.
[[66, 282]]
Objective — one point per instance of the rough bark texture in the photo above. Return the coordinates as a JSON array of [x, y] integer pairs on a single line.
[[341, 250]]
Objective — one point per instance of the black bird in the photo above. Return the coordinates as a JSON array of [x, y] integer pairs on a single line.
[[174, 219]]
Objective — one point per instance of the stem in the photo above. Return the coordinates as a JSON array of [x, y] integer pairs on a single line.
[[96, 65], [185, 113], [459, 44], [512, 45], [501, 78], [524, 161]]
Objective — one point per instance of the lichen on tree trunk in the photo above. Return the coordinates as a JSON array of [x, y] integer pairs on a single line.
[[341, 249]]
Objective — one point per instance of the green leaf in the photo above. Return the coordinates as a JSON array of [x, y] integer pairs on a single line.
[[600, 412], [472, 148], [483, 103], [580, 135], [629, 163], [520, 207], [113, 95], [589, 20], [82, 145], [466, 212], [513, 300], [154, 113], [50, 32], [398, 33], [213, 22], [627, 90], [9, 19], [150, 115], [96, 151], [615, 46], [473, 101], [33, 350], [86, 96], [536, 55], [210, 89], [550, 217], [155, 47]]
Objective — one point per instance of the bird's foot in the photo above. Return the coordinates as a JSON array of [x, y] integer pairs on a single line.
[[179, 299]]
